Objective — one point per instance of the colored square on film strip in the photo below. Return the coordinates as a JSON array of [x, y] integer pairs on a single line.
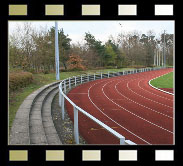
[[46, 146]]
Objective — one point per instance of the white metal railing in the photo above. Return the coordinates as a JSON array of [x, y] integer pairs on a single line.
[[76, 80]]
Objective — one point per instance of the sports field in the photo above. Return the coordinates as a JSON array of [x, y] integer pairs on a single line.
[[165, 81]]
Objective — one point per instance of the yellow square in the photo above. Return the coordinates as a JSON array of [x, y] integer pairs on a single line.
[[54, 155], [15, 10], [91, 155], [90, 9], [18, 155], [54, 9]]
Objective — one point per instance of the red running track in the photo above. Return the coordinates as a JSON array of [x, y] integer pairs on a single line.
[[127, 104]]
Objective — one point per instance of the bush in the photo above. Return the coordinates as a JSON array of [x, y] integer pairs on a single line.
[[75, 63], [19, 80]]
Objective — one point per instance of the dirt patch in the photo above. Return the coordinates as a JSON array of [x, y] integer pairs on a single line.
[[64, 127]]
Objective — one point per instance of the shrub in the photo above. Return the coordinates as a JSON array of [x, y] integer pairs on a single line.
[[75, 63], [19, 80]]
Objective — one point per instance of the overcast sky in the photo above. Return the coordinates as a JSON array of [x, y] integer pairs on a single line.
[[100, 29]]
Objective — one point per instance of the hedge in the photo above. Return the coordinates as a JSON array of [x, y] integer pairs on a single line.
[[19, 80]]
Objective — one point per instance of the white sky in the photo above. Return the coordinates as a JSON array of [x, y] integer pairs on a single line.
[[100, 29]]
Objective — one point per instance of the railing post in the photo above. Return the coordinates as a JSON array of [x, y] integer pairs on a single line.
[[69, 82], [122, 141], [108, 74], [88, 77], [101, 75], [63, 111], [94, 76], [64, 86], [81, 78], [75, 81], [76, 130]]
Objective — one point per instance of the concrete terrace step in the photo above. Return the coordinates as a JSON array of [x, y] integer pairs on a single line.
[[33, 122], [50, 131]]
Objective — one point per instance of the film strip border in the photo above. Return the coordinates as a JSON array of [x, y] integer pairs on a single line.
[[66, 155], [83, 10], [90, 155]]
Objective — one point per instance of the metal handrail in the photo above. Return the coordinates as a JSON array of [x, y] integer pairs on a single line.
[[63, 96]]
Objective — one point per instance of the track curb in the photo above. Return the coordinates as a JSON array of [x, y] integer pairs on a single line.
[[158, 88]]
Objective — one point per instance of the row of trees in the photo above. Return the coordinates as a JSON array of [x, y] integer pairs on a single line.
[[33, 50]]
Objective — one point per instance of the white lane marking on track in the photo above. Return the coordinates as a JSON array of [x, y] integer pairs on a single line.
[[139, 103], [154, 93], [133, 113], [157, 102], [146, 97], [111, 118]]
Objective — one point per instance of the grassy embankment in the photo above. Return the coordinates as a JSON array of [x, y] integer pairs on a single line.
[[165, 81], [17, 97]]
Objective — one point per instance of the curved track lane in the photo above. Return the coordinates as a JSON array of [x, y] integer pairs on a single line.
[[127, 104]]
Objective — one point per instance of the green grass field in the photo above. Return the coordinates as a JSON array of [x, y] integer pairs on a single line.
[[165, 81], [18, 96]]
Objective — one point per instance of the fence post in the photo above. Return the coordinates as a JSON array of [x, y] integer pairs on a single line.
[[94, 76], [75, 81], [69, 82], [63, 107], [101, 75], [81, 78], [76, 131], [108, 74], [64, 87], [88, 77]]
